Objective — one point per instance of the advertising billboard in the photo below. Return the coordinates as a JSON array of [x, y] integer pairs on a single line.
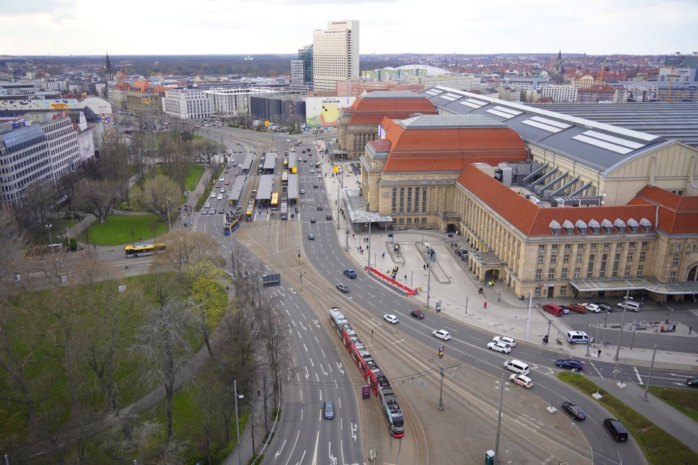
[[323, 112]]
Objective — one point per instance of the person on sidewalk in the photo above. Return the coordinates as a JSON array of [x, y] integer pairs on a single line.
[[545, 340], [485, 305], [598, 354]]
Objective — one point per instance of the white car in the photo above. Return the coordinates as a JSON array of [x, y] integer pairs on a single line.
[[222, 178], [503, 348], [392, 319], [592, 308], [505, 340], [213, 195], [441, 334], [220, 196], [521, 380]]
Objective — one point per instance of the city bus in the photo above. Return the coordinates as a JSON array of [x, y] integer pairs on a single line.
[[284, 211], [284, 177], [232, 226], [249, 213], [274, 199], [143, 250]]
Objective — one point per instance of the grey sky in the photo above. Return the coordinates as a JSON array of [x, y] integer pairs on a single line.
[[88, 27]]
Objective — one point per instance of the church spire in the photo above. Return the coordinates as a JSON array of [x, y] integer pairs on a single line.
[[108, 77]]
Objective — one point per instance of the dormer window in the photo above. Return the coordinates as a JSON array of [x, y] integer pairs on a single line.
[[607, 226], [555, 228], [568, 227], [633, 225], [646, 225], [581, 227], [595, 227], [620, 225]]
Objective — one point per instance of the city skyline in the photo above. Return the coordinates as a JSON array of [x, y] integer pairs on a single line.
[[388, 26]]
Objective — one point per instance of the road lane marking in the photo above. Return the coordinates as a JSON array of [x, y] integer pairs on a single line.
[[637, 373]]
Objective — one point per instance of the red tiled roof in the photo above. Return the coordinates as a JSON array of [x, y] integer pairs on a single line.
[[140, 86], [121, 85], [533, 220], [677, 214], [372, 111], [380, 145]]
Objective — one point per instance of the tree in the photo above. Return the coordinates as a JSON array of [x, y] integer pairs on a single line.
[[209, 302], [12, 247], [274, 336], [162, 342], [97, 197], [160, 194], [206, 149], [188, 248]]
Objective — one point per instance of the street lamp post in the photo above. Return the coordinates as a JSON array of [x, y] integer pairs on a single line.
[[622, 323], [649, 377], [503, 386], [237, 420], [167, 202], [50, 238]]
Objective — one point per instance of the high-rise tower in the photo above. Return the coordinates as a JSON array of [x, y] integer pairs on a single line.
[[335, 54]]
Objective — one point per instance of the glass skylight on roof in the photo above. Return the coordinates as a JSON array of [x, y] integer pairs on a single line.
[[468, 104], [500, 113], [449, 97], [511, 111], [434, 92], [602, 144], [551, 122], [544, 127], [613, 139], [480, 103]]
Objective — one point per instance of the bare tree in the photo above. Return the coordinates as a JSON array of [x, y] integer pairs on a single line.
[[206, 149], [97, 197], [160, 193], [188, 248], [162, 342], [272, 331], [12, 247]]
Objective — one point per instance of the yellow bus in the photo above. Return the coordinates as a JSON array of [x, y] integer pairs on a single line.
[[274, 199], [144, 250]]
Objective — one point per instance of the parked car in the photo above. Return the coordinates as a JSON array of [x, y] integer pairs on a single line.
[[593, 308], [418, 314], [565, 309], [629, 305], [554, 309], [441, 334], [349, 273], [604, 306], [521, 380], [616, 429], [503, 348], [505, 340], [343, 287], [570, 364], [392, 319], [574, 410], [577, 308]]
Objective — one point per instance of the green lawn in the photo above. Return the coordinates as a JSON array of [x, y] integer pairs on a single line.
[[658, 446], [117, 229], [683, 400], [195, 173]]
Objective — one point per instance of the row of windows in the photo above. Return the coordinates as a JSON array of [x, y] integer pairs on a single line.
[[22, 146], [580, 257], [592, 246], [410, 221], [577, 272], [398, 203]]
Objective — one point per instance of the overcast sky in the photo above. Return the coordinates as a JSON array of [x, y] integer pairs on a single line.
[[126, 27]]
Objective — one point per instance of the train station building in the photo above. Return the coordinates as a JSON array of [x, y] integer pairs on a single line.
[[543, 202]]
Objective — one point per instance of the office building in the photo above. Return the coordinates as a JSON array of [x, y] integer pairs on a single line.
[[335, 54], [305, 55], [187, 104]]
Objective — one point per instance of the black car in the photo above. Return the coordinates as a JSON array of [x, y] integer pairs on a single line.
[[418, 314], [616, 429], [570, 364], [319, 208], [604, 306], [692, 382], [312, 219], [574, 410]]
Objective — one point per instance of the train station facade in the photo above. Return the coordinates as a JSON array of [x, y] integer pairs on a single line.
[[545, 203]]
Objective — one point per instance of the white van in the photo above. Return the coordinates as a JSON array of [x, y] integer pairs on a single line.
[[517, 366], [577, 337], [629, 305]]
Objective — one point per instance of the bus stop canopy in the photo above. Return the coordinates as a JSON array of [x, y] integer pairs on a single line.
[[270, 161], [236, 190], [247, 163], [266, 183]]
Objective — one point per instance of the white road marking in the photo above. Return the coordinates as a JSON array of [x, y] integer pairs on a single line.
[[639, 378]]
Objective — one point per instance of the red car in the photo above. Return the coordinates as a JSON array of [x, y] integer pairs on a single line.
[[554, 309]]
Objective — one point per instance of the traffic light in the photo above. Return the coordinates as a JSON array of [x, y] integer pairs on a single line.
[[441, 351]]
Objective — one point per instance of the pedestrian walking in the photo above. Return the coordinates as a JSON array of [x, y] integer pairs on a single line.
[[545, 340], [598, 354], [485, 305], [690, 328]]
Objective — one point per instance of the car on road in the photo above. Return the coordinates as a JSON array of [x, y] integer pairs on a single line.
[[343, 287], [315, 185], [441, 334], [213, 195], [319, 208], [328, 216], [204, 211], [221, 179], [222, 190], [505, 340], [692, 382], [418, 314], [574, 410], [212, 211], [521, 380], [302, 191], [218, 185], [392, 319], [311, 237], [349, 273], [220, 197], [616, 429], [328, 410], [221, 210], [312, 219], [207, 204], [227, 183], [503, 348], [312, 171], [592, 308], [569, 364]]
